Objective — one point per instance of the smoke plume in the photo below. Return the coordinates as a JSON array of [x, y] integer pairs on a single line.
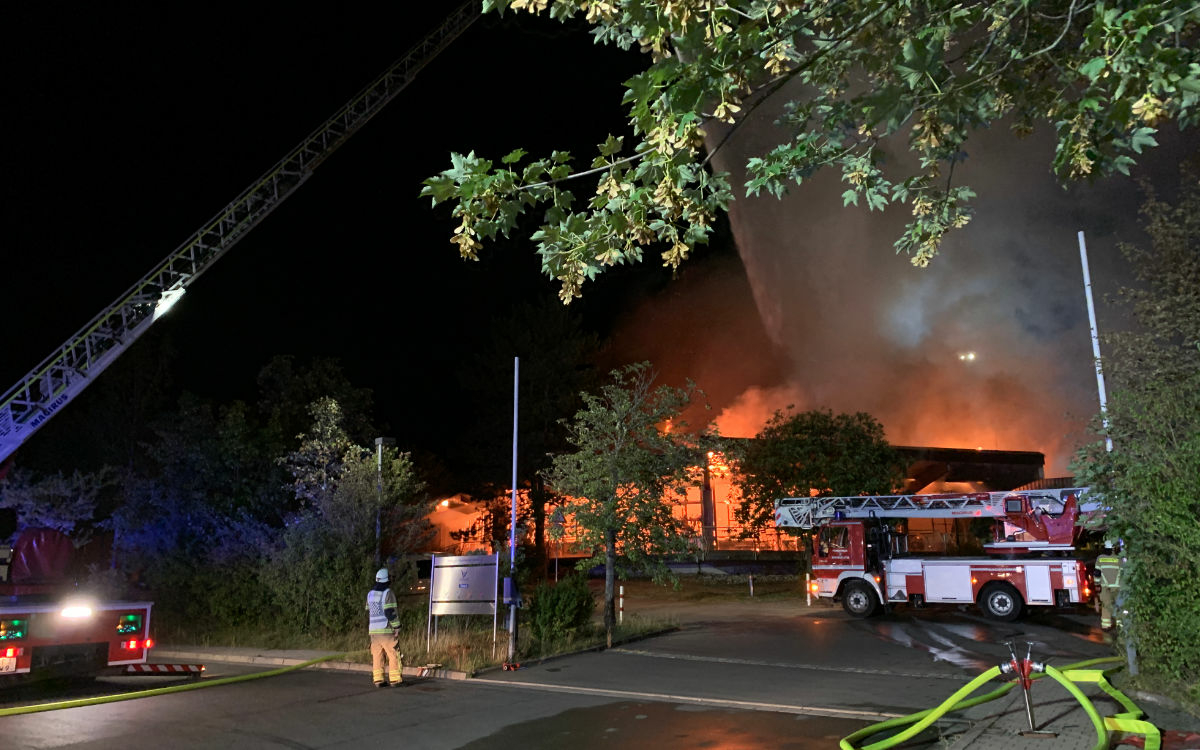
[[843, 323]]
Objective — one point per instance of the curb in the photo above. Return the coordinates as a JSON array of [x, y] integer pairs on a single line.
[[349, 666], [592, 649]]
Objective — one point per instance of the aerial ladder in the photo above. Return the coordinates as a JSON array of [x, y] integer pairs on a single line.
[[61, 376], [1047, 520]]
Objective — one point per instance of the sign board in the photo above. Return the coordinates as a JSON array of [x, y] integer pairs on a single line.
[[463, 585]]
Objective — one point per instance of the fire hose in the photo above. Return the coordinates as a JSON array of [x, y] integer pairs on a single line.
[[162, 691], [1129, 720]]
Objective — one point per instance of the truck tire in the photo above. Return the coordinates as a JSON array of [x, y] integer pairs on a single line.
[[1000, 601], [859, 600]]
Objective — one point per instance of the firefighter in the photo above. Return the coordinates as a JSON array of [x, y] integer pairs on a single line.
[[1108, 566], [384, 629]]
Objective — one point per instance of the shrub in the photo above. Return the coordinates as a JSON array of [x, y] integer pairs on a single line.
[[560, 610]]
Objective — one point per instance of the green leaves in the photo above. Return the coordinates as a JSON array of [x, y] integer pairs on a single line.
[[1105, 76], [1150, 481], [796, 453], [629, 452], [1094, 67]]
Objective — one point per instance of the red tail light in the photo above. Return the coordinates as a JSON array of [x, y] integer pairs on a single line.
[[11, 652]]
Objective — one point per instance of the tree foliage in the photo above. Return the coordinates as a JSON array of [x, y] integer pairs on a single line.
[[316, 466], [62, 502], [327, 552], [859, 78], [797, 454], [1150, 481], [622, 470]]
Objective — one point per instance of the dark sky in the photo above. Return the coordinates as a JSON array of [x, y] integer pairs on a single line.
[[126, 128]]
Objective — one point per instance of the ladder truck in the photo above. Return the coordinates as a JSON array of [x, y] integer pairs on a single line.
[[45, 628], [48, 629], [864, 561]]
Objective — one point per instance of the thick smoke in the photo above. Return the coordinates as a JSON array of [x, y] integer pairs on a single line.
[[858, 328]]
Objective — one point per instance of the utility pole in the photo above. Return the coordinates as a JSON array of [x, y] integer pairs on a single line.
[[379, 443], [511, 581]]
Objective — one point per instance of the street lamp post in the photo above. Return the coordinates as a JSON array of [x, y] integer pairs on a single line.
[[379, 443]]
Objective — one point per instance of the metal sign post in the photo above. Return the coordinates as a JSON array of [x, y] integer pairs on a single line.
[[510, 589]]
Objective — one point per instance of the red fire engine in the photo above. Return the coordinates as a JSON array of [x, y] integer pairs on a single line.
[[47, 629], [864, 561]]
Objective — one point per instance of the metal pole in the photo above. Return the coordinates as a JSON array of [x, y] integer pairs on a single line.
[[1130, 648], [1087, 290], [621, 611], [379, 504], [512, 534], [379, 443]]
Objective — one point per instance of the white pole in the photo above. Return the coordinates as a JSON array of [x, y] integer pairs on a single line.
[[512, 528], [1130, 648], [807, 591], [621, 608], [1087, 289]]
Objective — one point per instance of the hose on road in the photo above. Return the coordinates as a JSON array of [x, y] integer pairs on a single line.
[[1127, 721], [162, 691]]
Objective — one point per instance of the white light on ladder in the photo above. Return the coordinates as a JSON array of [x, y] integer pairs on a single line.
[[167, 301]]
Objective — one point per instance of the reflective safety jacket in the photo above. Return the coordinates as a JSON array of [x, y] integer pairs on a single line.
[[381, 609], [1109, 567]]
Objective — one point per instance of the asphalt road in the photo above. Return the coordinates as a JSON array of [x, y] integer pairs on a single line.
[[741, 674]]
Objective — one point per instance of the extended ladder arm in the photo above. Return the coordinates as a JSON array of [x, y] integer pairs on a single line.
[[808, 512], [42, 392]]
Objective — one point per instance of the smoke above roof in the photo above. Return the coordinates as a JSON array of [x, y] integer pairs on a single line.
[[989, 347]]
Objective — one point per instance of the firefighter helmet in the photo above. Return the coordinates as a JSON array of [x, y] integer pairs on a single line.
[[382, 576]]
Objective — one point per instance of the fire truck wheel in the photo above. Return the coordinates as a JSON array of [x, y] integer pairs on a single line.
[[859, 600], [999, 601]]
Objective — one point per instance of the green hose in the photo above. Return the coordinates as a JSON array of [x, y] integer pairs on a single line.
[[160, 691], [1093, 714], [1128, 721], [922, 718]]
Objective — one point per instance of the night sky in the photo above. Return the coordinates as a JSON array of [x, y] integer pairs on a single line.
[[127, 128]]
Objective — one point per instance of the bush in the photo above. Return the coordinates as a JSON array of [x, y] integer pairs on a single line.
[[320, 579], [560, 610]]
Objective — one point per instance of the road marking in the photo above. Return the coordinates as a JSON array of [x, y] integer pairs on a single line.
[[793, 665], [836, 713]]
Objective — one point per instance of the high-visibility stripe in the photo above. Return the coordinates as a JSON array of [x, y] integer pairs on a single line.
[[163, 668]]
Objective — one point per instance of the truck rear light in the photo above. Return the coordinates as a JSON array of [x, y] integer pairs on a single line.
[[11, 652], [134, 644], [814, 586]]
